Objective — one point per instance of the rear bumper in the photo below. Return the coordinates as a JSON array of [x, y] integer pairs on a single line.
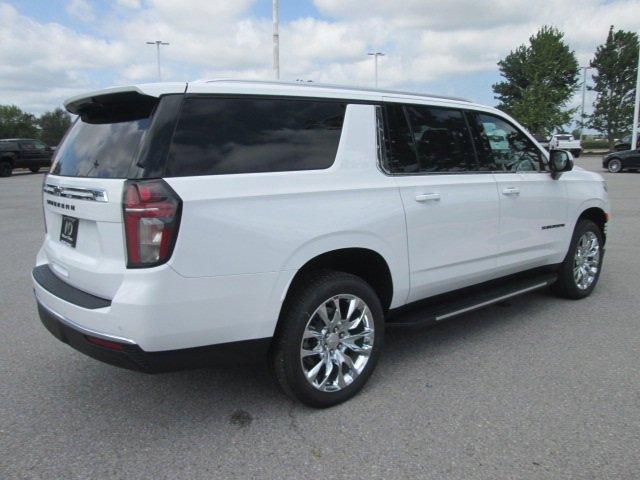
[[126, 354], [88, 324]]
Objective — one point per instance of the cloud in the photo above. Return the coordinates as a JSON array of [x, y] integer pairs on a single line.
[[133, 4], [81, 10], [426, 42]]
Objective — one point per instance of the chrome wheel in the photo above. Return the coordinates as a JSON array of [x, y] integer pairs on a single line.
[[614, 165], [586, 260], [337, 342]]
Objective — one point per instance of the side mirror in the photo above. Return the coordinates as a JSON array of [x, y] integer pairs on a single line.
[[560, 161]]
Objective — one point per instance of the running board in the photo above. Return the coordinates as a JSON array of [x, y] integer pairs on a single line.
[[442, 307]]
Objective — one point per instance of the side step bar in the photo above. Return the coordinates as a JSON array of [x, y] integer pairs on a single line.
[[442, 307]]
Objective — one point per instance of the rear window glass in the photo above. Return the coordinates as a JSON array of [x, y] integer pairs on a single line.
[[104, 150], [218, 135], [564, 137]]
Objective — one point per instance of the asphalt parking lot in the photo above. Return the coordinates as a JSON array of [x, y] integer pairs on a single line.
[[538, 387]]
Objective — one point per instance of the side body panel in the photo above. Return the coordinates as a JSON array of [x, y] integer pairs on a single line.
[[273, 223], [533, 219], [452, 240]]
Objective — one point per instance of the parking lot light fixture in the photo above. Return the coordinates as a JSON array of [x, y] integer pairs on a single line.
[[375, 56], [157, 43], [636, 108]]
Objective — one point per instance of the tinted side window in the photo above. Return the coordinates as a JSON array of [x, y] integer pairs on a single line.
[[442, 140], [247, 135], [504, 147], [400, 149]]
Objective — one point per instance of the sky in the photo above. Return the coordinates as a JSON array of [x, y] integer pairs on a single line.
[[53, 49]]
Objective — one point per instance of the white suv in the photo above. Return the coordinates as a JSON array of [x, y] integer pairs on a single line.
[[217, 221]]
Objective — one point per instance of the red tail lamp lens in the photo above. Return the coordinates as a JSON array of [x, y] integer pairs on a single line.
[[151, 221]]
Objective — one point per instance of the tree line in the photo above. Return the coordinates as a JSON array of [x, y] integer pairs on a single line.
[[541, 77], [48, 127]]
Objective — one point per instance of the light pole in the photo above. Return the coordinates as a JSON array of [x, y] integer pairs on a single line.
[[276, 41], [636, 108], [584, 91], [375, 56], [157, 43]]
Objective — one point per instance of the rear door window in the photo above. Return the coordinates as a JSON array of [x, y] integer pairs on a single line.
[[400, 148], [442, 140], [217, 135]]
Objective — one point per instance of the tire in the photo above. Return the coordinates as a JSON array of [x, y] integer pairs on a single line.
[[614, 165], [570, 284], [576, 153], [302, 329], [34, 169], [5, 168]]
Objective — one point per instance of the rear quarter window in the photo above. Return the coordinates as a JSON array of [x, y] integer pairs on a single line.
[[217, 135]]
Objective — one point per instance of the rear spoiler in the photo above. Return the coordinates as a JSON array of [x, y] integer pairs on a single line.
[[119, 103], [81, 102]]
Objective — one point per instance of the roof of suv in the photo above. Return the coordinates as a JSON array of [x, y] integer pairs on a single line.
[[261, 87]]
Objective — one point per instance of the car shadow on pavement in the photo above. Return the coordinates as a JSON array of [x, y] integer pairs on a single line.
[[227, 393]]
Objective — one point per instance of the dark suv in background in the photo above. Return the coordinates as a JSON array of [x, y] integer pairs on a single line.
[[23, 153]]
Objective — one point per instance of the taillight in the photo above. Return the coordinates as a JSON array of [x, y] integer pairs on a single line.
[[151, 220]]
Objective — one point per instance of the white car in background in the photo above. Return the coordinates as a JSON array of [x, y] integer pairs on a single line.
[[564, 141], [215, 221]]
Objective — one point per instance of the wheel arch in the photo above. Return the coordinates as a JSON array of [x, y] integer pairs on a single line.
[[598, 216], [365, 263], [10, 157]]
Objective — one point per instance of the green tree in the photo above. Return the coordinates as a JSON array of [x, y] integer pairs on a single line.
[[614, 83], [576, 133], [14, 123], [54, 125], [539, 79]]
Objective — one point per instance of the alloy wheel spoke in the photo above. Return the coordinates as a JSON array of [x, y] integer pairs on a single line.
[[340, 377], [308, 333], [313, 373], [367, 333], [327, 372], [362, 350], [353, 304], [346, 359], [315, 351], [355, 323]]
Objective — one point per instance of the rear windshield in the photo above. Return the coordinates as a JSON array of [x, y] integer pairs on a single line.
[[564, 137], [217, 135], [104, 140], [104, 150]]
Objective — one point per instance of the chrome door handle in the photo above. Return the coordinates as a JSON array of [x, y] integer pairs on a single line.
[[511, 191], [427, 197]]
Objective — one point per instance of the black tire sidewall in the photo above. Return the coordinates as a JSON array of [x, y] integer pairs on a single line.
[[5, 168], [609, 165], [295, 321]]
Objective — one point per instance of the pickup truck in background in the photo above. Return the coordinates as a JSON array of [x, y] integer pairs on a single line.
[[23, 153], [565, 141]]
